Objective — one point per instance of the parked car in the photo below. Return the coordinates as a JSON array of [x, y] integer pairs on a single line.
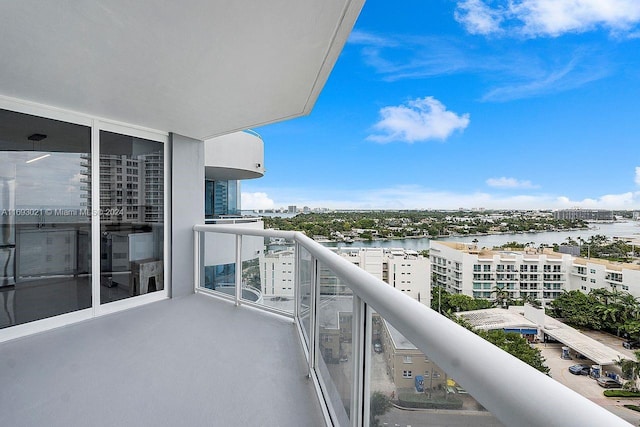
[[631, 344], [580, 369], [607, 382], [377, 347]]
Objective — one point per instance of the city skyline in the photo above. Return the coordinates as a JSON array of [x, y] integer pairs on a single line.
[[472, 104]]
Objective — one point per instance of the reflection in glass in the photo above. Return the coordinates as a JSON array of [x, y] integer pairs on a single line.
[[131, 216], [218, 263], [403, 378], [304, 298], [221, 197], [335, 325], [277, 273], [45, 239]]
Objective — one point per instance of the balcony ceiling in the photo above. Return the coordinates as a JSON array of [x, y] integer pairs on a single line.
[[199, 68]]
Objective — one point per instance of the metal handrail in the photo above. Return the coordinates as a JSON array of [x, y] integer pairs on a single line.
[[514, 392]]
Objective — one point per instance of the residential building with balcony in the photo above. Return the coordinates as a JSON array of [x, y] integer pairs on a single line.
[[405, 270], [543, 275], [466, 269], [587, 274]]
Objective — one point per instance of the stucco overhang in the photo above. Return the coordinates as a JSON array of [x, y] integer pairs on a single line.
[[199, 68]]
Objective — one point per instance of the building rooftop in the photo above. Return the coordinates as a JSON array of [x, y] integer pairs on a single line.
[[510, 252], [496, 318], [513, 318], [399, 340], [611, 265], [590, 348]]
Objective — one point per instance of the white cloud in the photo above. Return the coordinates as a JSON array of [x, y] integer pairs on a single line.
[[515, 75], [362, 37], [477, 17], [419, 120], [75, 179], [418, 197], [552, 18], [637, 180], [504, 182], [256, 201], [574, 74]]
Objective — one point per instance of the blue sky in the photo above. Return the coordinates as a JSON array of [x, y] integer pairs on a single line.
[[447, 104]]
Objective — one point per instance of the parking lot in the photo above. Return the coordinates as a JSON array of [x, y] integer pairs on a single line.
[[585, 385]]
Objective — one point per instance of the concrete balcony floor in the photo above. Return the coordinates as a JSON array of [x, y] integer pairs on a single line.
[[194, 361]]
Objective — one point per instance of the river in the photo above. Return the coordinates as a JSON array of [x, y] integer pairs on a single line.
[[617, 229]]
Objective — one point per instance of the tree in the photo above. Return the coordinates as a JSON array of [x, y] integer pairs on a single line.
[[578, 309], [517, 346], [380, 404], [630, 370], [502, 298]]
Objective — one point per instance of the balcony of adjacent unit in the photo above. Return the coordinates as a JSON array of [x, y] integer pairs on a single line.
[[236, 156], [579, 271], [613, 276], [279, 331]]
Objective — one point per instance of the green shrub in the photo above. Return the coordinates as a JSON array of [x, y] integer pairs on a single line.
[[421, 400], [621, 393], [633, 407]]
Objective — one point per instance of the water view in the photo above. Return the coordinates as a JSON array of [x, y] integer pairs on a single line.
[[614, 229]]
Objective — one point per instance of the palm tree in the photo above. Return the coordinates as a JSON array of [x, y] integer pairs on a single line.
[[502, 298], [630, 370], [603, 295], [528, 298]]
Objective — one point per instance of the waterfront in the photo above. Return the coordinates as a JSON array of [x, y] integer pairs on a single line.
[[614, 229]]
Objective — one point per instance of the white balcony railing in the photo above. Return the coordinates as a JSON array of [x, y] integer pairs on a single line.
[[514, 392]]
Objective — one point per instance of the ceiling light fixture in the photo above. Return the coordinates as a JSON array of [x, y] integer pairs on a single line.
[[36, 137]]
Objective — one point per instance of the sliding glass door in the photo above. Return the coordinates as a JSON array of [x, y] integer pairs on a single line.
[[131, 216], [45, 226], [69, 191]]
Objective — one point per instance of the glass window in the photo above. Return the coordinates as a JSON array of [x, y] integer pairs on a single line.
[[45, 224], [221, 198], [132, 229]]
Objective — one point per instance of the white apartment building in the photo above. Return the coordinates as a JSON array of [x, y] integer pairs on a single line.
[[405, 270], [588, 274], [466, 269], [278, 273]]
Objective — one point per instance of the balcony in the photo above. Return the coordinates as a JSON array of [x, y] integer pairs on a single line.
[[239, 155], [167, 363], [338, 309], [298, 357]]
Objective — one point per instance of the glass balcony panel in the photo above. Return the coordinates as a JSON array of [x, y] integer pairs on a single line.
[[304, 297], [407, 388], [268, 272], [218, 262], [335, 314]]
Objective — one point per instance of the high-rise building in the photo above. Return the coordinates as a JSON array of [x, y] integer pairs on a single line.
[[584, 214]]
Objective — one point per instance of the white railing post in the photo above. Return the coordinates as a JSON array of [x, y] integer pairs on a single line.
[[197, 253], [358, 350], [238, 269], [297, 280], [366, 372], [313, 313]]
